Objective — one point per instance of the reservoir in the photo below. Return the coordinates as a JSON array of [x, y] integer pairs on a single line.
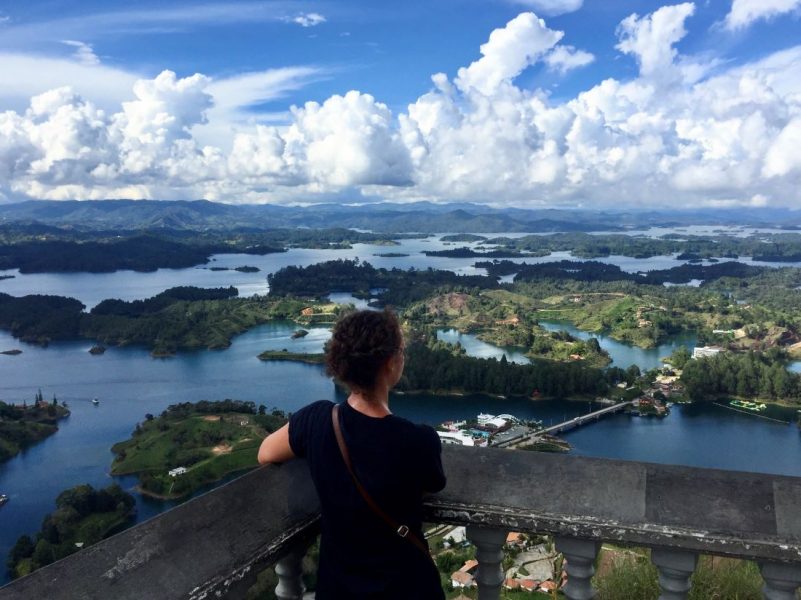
[[623, 354], [129, 383]]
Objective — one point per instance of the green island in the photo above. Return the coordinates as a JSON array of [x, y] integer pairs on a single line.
[[463, 237], [182, 318], [305, 357], [731, 311], [465, 252], [38, 249], [243, 269], [22, 426], [766, 247], [191, 445], [83, 517]]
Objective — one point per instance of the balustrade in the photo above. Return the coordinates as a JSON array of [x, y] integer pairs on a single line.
[[214, 545]]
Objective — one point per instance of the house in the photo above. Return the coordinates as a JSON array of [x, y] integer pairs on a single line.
[[307, 312], [706, 351], [456, 537], [456, 437], [530, 585], [511, 584], [462, 580], [469, 565], [176, 471], [547, 586], [515, 539]]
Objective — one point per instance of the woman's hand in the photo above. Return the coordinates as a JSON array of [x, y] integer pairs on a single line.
[[275, 447]]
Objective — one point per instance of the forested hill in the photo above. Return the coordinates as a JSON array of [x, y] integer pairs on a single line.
[[423, 217], [391, 286]]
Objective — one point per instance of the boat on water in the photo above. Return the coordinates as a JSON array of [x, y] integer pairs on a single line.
[[746, 405], [3, 499], [95, 401]]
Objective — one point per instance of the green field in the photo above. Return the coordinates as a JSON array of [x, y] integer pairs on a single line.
[[210, 446]]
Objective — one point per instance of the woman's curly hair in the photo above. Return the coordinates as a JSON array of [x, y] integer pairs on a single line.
[[361, 343]]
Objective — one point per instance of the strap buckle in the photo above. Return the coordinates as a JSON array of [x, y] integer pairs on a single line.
[[403, 531]]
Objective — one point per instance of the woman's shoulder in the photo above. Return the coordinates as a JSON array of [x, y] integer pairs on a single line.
[[313, 411], [419, 432]]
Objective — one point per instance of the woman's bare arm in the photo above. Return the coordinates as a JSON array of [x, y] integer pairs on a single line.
[[275, 447]]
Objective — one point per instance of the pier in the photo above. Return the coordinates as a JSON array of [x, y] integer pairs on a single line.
[[565, 426]]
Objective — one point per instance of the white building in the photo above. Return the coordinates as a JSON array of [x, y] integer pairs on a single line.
[[176, 471], [487, 420], [706, 351], [456, 437]]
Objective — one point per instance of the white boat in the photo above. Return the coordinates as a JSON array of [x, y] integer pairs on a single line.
[[95, 401], [3, 499]]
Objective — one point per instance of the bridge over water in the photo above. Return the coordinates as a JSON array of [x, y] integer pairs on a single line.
[[566, 425]]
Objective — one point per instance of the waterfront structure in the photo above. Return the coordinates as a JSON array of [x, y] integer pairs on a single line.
[[706, 351], [461, 438], [215, 545]]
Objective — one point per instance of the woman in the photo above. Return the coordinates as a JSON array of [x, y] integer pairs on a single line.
[[361, 554]]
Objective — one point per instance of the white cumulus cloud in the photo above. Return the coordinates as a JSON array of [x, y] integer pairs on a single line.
[[651, 38], [681, 133], [745, 12], [566, 58], [507, 53]]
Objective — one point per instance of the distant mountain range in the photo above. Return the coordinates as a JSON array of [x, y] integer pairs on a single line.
[[423, 217]]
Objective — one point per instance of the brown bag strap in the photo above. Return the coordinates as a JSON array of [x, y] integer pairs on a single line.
[[402, 530]]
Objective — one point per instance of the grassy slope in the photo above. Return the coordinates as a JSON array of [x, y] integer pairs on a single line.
[[154, 451]]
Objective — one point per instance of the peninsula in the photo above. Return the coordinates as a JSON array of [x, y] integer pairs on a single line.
[[194, 444]]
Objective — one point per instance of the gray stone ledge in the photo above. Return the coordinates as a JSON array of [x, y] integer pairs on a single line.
[[215, 544]]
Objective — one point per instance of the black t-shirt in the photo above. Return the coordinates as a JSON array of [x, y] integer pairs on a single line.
[[396, 461]]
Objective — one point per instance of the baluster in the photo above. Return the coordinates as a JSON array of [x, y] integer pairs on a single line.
[[290, 570], [675, 567], [580, 556], [781, 580], [489, 554]]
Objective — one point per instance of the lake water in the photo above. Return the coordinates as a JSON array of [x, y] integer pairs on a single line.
[[91, 288], [476, 347], [130, 383], [623, 354]]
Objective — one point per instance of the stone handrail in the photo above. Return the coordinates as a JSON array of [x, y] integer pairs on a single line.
[[213, 546]]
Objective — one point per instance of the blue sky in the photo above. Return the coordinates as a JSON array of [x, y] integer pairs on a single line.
[[257, 59]]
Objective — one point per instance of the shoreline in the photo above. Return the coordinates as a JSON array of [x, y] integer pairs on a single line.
[[169, 497]]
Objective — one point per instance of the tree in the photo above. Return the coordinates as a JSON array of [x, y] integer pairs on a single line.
[[680, 357], [22, 549]]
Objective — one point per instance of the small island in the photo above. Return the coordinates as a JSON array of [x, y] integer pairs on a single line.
[[12, 352], [23, 425], [247, 269], [313, 359], [391, 255], [97, 349], [463, 237], [192, 445], [2, 277], [83, 517]]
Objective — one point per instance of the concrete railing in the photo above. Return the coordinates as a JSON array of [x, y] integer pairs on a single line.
[[213, 546]]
